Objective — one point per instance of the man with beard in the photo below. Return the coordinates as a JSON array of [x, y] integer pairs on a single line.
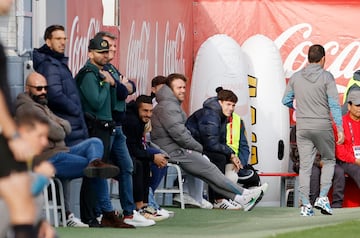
[[69, 162], [97, 92]]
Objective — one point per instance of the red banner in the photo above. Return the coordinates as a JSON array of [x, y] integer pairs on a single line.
[[84, 19], [292, 25], [156, 39]]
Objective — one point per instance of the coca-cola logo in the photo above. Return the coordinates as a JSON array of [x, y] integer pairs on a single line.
[[137, 62], [345, 58], [78, 52]]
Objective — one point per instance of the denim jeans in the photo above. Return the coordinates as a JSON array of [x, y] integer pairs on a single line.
[[120, 156], [70, 165]]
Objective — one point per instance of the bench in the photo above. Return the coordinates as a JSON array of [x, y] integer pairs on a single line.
[[284, 193], [351, 193]]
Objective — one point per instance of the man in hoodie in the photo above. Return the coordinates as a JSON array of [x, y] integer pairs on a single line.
[[169, 132], [69, 162], [314, 90]]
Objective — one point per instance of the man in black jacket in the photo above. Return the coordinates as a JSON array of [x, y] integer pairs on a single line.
[[137, 115]]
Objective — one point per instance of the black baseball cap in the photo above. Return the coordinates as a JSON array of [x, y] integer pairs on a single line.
[[98, 44]]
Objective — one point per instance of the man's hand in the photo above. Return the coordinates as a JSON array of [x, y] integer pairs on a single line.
[[341, 138], [45, 168], [160, 160], [236, 161], [46, 230], [108, 78], [128, 85], [357, 162]]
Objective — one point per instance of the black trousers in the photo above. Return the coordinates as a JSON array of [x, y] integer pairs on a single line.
[[220, 160], [141, 180]]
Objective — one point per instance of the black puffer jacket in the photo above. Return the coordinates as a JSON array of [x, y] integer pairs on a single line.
[[208, 126]]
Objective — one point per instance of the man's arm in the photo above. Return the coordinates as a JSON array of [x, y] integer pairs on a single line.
[[173, 122], [57, 98], [94, 91], [288, 98], [209, 126], [333, 101]]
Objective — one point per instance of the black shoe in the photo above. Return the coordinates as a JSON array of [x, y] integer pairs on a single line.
[[94, 223], [98, 168]]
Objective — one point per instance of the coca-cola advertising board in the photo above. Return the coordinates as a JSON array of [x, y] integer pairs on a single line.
[[292, 25], [84, 20], [156, 39]]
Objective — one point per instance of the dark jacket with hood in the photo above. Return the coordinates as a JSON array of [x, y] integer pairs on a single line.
[[63, 96], [208, 126], [134, 130]]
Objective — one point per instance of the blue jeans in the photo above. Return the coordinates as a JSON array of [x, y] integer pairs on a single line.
[[70, 165], [120, 156]]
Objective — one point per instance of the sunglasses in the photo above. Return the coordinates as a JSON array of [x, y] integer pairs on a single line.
[[39, 88]]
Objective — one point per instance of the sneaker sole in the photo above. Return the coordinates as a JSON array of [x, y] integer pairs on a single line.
[[101, 172], [323, 211]]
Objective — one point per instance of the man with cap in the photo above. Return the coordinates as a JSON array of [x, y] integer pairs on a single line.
[[348, 153], [353, 84], [97, 87]]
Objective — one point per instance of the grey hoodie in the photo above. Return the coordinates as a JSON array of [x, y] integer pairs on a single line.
[[168, 124], [316, 98]]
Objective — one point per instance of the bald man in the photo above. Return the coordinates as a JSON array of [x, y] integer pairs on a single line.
[[82, 159]]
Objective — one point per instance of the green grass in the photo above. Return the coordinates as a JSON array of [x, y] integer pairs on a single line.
[[349, 229], [261, 222]]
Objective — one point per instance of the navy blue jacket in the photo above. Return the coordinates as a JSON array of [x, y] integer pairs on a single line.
[[208, 126], [63, 96], [133, 129]]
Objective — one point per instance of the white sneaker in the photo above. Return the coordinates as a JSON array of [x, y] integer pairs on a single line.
[[152, 214], [163, 212], [73, 221], [188, 200], [205, 204], [138, 220], [250, 198], [225, 204], [235, 204]]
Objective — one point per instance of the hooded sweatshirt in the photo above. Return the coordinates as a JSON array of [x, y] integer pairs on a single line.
[[316, 98], [58, 127], [168, 124]]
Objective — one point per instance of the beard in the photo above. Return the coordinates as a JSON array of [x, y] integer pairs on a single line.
[[41, 99]]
